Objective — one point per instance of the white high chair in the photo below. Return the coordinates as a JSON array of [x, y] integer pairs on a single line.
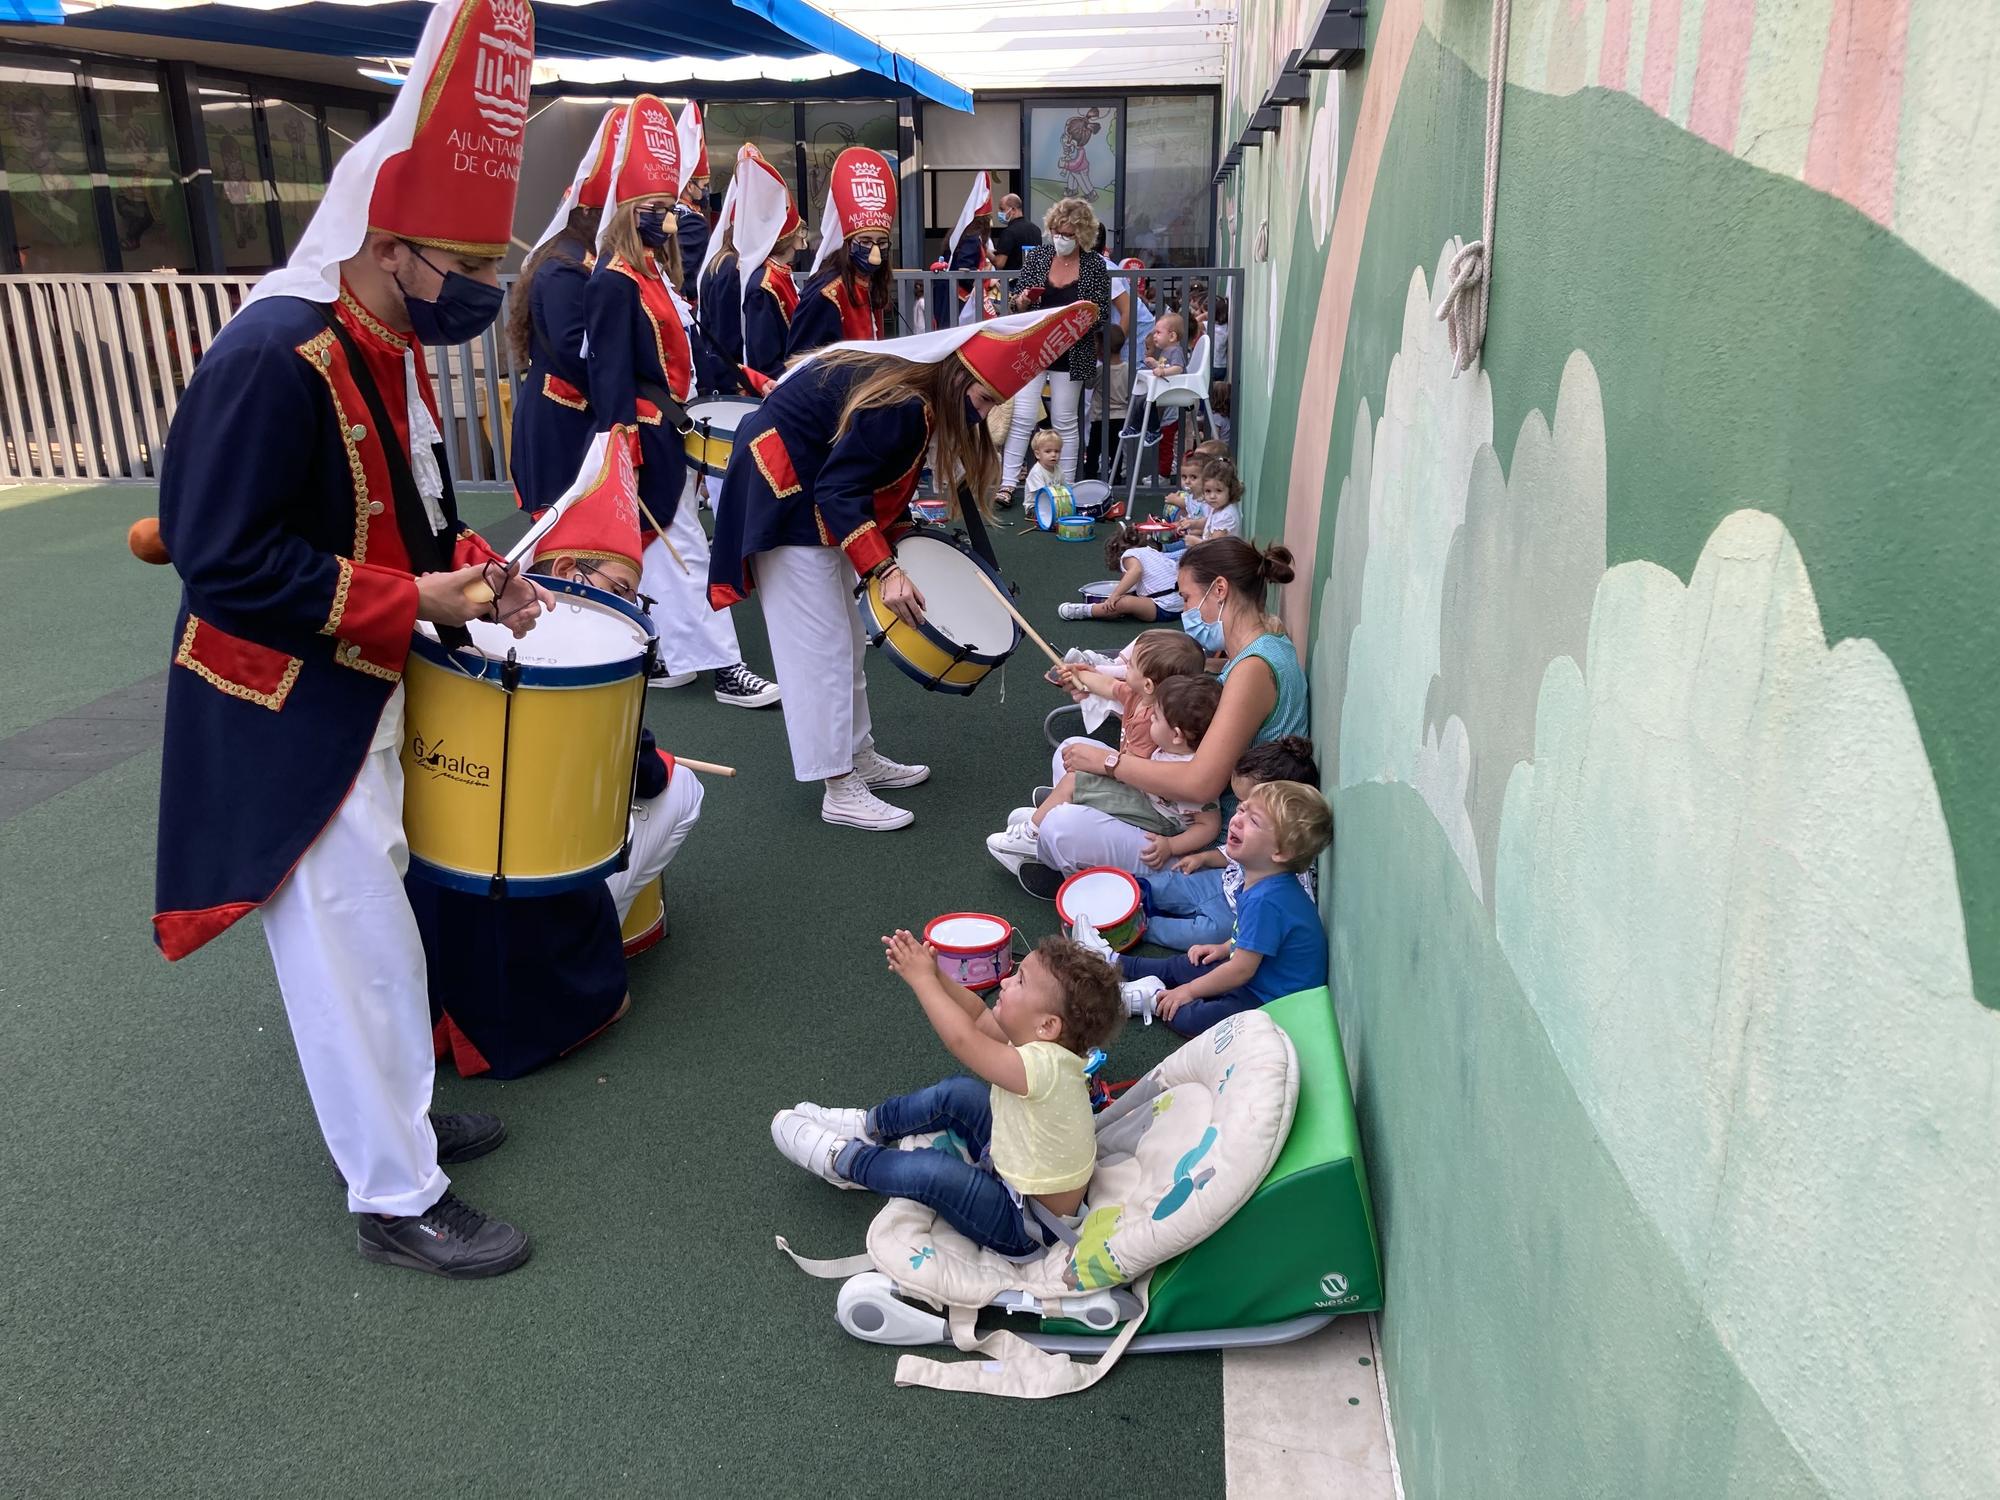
[[1186, 391]]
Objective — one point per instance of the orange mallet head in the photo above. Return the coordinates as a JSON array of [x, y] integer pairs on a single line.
[[144, 540]]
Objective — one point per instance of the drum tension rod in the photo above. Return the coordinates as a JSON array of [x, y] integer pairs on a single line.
[[510, 680]]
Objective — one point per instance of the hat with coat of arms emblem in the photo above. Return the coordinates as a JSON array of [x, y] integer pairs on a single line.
[[860, 199], [601, 524]]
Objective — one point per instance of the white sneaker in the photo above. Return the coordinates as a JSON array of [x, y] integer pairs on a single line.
[[809, 1144], [843, 1122], [1086, 936], [882, 773], [1139, 995], [1023, 815], [1074, 612], [678, 679], [1015, 847], [847, 800]]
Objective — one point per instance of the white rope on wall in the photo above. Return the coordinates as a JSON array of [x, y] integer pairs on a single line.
[[1463, 310]]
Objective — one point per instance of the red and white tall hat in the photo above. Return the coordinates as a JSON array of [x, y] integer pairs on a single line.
[[441, 170], [766, 216], [602, 524], [592, 182], [860, 196], [647, 163], [1003, 354], [694, 144]]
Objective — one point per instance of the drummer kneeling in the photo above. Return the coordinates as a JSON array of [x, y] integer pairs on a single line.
[[519, 983]]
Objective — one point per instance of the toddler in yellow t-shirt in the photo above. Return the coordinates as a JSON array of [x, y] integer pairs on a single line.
[[1024, 1119]]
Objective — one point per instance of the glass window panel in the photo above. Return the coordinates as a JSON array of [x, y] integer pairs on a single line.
[[148, 203], [1169, 160], [989, 137], [48, 170], [768, 127], [296, 166], [1073, 153], [345, 126], [830, 130], [240, 189]]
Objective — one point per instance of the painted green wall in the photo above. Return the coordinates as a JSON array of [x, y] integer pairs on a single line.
[[1652, 667]]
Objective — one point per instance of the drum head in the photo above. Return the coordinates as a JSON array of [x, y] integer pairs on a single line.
[[957, 602], [1106, 897], [721, 413], [1091, 494], [1045, 509], [587, 628], [968, 932]]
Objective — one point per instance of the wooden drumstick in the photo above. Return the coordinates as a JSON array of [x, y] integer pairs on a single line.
[[661, 531], [1020, 619], [708, 766]]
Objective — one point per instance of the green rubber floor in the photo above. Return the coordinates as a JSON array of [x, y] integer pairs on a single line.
[[181, 1308]]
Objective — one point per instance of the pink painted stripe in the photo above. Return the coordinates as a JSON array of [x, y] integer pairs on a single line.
[[1388, 60], [1663, 45], [1617, 53], [1852, 154], [1719, 69]]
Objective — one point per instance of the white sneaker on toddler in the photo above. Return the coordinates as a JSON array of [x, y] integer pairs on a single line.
[[845, 1122], [806, 1143], [1016, 846], [1139, 995], [1074, 611], [1083, 932]]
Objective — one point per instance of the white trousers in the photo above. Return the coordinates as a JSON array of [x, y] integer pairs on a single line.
[[693, 637], [350, 964], [1064, 394], [817, 648], [659, 826], [1075, 838]]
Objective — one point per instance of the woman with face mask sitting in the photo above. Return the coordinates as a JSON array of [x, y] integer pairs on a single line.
[[1056, 274], [849, 294]]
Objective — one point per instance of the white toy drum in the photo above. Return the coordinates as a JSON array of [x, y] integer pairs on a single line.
[[973, 948], [1109, 899]]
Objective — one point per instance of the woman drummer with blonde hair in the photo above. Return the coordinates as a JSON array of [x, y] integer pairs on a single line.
[[817, 494]]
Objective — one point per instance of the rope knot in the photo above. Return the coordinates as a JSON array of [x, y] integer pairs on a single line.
[[1462, 310]]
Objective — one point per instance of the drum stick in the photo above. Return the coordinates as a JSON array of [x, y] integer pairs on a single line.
[[653, 522], [1020, 619], [708, 766]]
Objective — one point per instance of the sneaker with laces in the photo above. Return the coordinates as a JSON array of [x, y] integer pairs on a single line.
[[460, 1137], [1083, 932], [1074, 611], [1015, 846], [740, 687], [451, 1238], [672, 680], [1139, 995], [806, 1143], [1022, 815], [845, 1122], [882, 773], [849, 801]]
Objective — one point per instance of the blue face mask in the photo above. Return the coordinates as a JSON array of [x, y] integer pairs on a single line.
[[1207, 633], [463, 310], [653, 226]]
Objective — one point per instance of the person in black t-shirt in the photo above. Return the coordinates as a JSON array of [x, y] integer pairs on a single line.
[[1016, 236]]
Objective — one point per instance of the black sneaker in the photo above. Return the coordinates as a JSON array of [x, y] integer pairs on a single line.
[[466, 1137], [451, 1238], [1038, 880], [740, 687]]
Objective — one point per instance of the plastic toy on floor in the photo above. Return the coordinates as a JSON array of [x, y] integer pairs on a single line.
[[1229, 1209]]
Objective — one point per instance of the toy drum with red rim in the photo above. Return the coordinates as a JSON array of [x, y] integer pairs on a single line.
[[1154, 533], [1109, 899], [646, 922], [973, 948]]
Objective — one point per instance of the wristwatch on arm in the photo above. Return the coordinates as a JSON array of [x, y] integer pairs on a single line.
[[1111, 764]]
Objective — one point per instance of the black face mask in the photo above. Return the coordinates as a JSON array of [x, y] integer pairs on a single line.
[[463, 310], [653, 226]]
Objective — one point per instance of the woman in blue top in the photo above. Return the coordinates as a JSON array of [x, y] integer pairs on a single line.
[[1225, 585]]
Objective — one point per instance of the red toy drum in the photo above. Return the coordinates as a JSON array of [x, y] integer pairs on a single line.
[[973, 948], [1109, 899], [1155, 533], [646, 923]]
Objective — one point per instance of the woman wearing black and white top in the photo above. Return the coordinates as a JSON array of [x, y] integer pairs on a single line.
[[1056, 274]]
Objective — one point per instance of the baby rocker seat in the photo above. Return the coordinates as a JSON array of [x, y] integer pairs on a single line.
[[1229, 1209]]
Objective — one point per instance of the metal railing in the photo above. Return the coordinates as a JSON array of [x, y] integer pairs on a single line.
[[92, 368]]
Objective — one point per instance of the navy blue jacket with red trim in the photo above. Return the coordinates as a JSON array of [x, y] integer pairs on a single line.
[[297, 606], [831, 312], [741, 331], [791, 484], [552, 418], [637, 346]]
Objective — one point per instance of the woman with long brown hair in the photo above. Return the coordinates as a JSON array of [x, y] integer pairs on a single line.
[[852, 283], [817, 495], [747, 325]]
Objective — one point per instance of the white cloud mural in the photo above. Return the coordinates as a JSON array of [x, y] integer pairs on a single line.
[[1323, 163]]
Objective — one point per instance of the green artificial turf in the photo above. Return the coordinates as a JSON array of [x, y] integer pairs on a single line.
[[182, 1310]]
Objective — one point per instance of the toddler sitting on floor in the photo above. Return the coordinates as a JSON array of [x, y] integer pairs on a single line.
[[1025, 1116]]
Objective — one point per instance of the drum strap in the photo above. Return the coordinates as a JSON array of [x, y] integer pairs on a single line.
[[672, 410], [975, 528]]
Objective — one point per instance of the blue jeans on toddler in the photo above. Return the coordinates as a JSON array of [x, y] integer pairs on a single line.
[[970, 1199], [1183, 910], [1196, 1016]]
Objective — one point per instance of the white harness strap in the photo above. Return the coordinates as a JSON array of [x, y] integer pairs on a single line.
[[1013, 1366], [827, 1270]]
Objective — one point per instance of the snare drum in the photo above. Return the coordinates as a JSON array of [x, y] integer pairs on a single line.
[[1075, 528], [1109, 898], [518, 763], [972, 948], [1052, 501], [646, 923], [712, 437], [966, 633], [1090, 496]]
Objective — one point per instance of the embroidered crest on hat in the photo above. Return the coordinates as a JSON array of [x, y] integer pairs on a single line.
[[1005, 362], [453, 187], [603, 524], [649, 153], [863, 189]]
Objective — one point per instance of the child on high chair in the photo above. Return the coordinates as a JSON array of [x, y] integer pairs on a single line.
[[1279, 945], [1024, 1114], [1182, 709]]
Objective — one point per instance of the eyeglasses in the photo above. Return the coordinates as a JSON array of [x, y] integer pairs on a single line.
[[597, 578]]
